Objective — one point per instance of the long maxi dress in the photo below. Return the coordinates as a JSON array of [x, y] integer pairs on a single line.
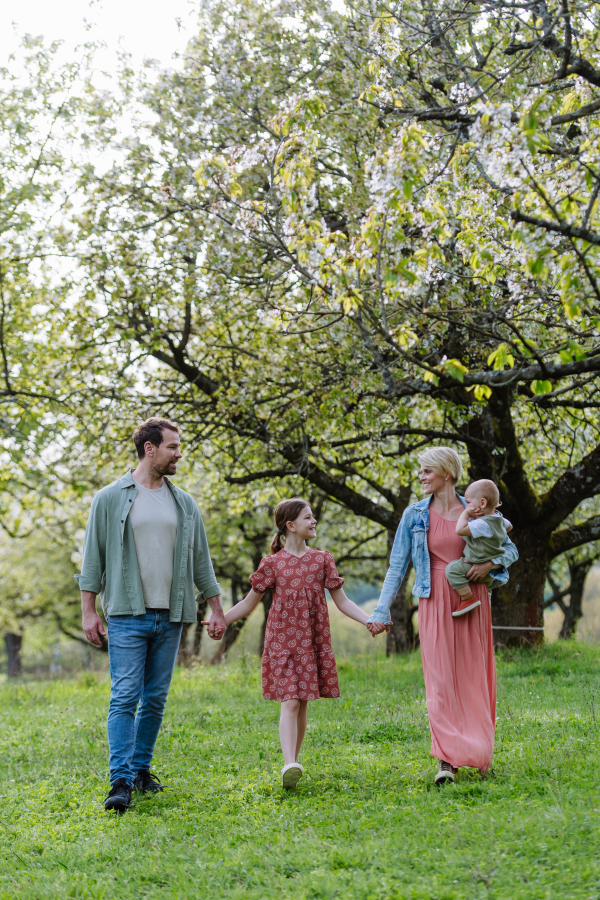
[[458, 660]]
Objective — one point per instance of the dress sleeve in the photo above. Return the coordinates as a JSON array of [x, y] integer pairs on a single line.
[[332, 579], [264, 577]]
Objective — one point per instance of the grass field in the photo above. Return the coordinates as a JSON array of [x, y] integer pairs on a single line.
[[366, 823]]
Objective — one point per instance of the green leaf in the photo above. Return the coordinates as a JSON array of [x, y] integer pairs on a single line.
[[501, 357], [456, 369], [541, 387]]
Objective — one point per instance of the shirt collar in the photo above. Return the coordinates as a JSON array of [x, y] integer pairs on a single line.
[[129, 481]]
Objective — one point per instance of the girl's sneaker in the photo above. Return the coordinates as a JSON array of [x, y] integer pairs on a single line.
[[466, 606], [291, 775]]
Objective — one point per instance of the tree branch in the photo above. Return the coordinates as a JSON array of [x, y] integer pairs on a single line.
[[575, 485], [574, 231], [575, 536]]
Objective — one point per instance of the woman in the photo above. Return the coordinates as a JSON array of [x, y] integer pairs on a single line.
[[458, 653]]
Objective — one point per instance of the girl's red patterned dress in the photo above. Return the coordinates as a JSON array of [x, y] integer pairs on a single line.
[[298, 662]]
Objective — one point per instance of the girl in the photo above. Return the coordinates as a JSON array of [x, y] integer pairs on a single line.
[[298, 664]]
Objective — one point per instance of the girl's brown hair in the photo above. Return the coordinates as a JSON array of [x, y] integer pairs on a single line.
[[286, 511]]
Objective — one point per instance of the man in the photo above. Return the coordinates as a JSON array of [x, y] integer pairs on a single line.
[[144, 549]]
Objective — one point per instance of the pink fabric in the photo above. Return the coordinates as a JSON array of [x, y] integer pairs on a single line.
[[458, 660]]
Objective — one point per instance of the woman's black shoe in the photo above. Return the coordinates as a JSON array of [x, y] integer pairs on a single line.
[[147, 783], [119, 798]]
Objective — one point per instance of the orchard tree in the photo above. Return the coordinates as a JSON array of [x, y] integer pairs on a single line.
[[392, 240]]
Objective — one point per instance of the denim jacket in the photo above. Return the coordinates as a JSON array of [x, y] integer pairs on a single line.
[[411, 542]]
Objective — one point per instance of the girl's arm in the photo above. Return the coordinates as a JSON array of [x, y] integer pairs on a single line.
[[345, 605], [243, 608]]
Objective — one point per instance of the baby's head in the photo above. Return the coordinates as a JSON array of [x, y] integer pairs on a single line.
[[483, 497]]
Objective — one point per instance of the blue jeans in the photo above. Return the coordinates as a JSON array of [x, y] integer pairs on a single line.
[[142, 651]]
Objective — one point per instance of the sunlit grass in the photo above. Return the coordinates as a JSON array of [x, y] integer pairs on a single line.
[[365, 822]]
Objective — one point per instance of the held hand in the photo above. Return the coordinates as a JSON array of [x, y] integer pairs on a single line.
[[377, 627], [93, 628], [216, 625], [478, 571]]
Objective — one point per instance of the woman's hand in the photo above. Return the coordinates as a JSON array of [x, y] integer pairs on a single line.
[[478, 571], [377, 627]]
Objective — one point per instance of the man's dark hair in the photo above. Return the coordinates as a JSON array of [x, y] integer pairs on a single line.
[[151, 430]]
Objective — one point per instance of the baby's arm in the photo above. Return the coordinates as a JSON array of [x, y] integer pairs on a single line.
[[243, 608], [462, 525], [350, 609]]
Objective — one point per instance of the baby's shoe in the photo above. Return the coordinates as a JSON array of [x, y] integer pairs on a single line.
[[291, 775], [466, 606]]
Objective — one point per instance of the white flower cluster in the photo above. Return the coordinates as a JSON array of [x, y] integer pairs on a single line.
[[501, 145]]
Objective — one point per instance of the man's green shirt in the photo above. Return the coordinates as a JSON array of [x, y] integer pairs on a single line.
[[110, 564]]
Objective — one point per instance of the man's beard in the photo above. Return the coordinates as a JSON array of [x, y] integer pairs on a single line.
[[166, 468]]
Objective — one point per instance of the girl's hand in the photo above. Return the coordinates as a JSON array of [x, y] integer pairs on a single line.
[[377, 627], [218, 630]]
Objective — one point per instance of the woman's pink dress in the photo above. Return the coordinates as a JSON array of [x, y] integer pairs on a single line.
[[298, 662], [458, 660]]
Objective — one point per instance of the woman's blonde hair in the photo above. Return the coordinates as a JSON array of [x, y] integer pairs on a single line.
[[443, 461]]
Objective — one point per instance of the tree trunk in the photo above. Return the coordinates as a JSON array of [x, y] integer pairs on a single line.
[[573, 612], [183, 655], [267, 602], [401, 638], [518, 607], [200, 614], [13, 651], [231, 632]]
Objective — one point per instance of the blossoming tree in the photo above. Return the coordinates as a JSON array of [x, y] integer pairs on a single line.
[[392, 239]]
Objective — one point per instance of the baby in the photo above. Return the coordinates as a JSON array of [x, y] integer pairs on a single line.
[[484, 530]]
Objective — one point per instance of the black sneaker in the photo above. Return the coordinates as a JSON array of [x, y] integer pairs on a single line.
[[147, 783], [119, 798]]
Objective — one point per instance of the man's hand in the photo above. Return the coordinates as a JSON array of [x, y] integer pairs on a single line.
[[478, 571], [90, 620], [377, 627], [216, 623]]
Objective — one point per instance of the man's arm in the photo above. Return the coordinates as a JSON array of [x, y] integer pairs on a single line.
[[90, 620]]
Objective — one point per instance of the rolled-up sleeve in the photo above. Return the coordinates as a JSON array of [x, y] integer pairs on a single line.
[[93, 564], [204, 574], [509, 556], [399, 560]]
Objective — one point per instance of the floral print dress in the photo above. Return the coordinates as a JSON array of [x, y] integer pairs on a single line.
[[298, 662]]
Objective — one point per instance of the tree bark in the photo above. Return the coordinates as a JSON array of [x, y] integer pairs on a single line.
[[578, 572], [520, 602], [201, 613], [401, 637], [13, 644], [183, 654]]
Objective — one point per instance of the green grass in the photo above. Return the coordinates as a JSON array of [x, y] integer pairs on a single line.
[[366, 822]]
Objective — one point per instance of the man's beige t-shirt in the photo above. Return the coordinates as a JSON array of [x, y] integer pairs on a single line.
[[154, 523]]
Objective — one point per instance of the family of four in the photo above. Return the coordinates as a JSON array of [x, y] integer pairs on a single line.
[[145, 551]]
